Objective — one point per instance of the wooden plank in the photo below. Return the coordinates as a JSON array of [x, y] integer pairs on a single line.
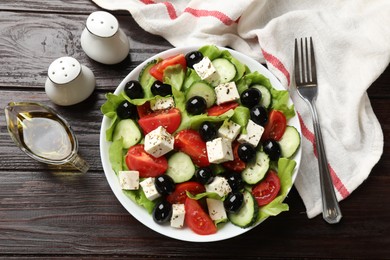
[[50, 6], [28, 46]]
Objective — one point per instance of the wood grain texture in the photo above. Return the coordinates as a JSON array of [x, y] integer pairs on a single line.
[[52, 6], [30, 42], [62, 214]]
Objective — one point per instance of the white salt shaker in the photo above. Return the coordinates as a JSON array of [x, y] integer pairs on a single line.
[[69, 82], [102, 39]]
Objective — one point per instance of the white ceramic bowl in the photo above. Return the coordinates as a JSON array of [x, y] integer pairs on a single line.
[[226, 231]]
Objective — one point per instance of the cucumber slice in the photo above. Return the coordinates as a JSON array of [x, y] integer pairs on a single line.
[[289, 142], [247, 215], [266, 97], [130, 132], [204, 90], [255, 171], [180, 167], [145, 79], [225, 69]]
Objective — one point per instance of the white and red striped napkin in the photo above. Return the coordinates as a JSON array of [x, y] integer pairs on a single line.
[[352, 45]]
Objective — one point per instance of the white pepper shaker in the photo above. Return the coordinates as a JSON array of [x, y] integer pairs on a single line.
[[102, 39], [69, 82]]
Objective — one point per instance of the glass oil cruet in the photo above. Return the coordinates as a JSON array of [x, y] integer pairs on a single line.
[[43, 135]]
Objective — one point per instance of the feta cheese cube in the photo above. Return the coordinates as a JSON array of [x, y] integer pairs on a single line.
[[253, 135], [149, 188], [219, 185], [243, 138], [219, 150], [158, 142], [160, 103], [216, 209], [229, 130], [178, 214], [205, 69], [226, 92], [129, 180]]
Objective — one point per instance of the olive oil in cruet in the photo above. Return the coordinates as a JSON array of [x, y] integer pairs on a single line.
[[43, 135]]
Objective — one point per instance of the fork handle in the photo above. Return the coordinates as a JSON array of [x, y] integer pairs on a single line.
[[330, 207]]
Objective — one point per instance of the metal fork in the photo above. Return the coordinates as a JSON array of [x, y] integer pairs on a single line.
[[306, 82]]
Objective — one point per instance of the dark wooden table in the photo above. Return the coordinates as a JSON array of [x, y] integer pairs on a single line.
[[51, 214]]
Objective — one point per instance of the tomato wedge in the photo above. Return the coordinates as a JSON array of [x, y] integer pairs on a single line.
[[197, 219], [148, 166], [237, 164], [267, 190], [144, 110], [275, 127], [190, 142], [218, 110], [179, 195], [157, 71], [170, 119]]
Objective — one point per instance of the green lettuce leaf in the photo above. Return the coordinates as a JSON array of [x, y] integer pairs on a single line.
[[111, 128], [241, 116], [112, 102], [211, 195], [109, 110], [285, 170], [174, 76], [195, 121], [217, 168], [138, 196], [115, 154], [191, 78], [280, 99], [211, 51]]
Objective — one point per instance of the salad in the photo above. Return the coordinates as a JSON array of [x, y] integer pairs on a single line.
[[199, 140]]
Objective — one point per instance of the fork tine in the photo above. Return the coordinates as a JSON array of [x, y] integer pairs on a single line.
[[313, 62], [307, 68], [296, 62], [303, 68]]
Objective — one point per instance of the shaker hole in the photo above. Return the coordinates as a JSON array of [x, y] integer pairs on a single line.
[[61, 61], [101, 22], [66, 75], [63, 68], [112, 27]]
